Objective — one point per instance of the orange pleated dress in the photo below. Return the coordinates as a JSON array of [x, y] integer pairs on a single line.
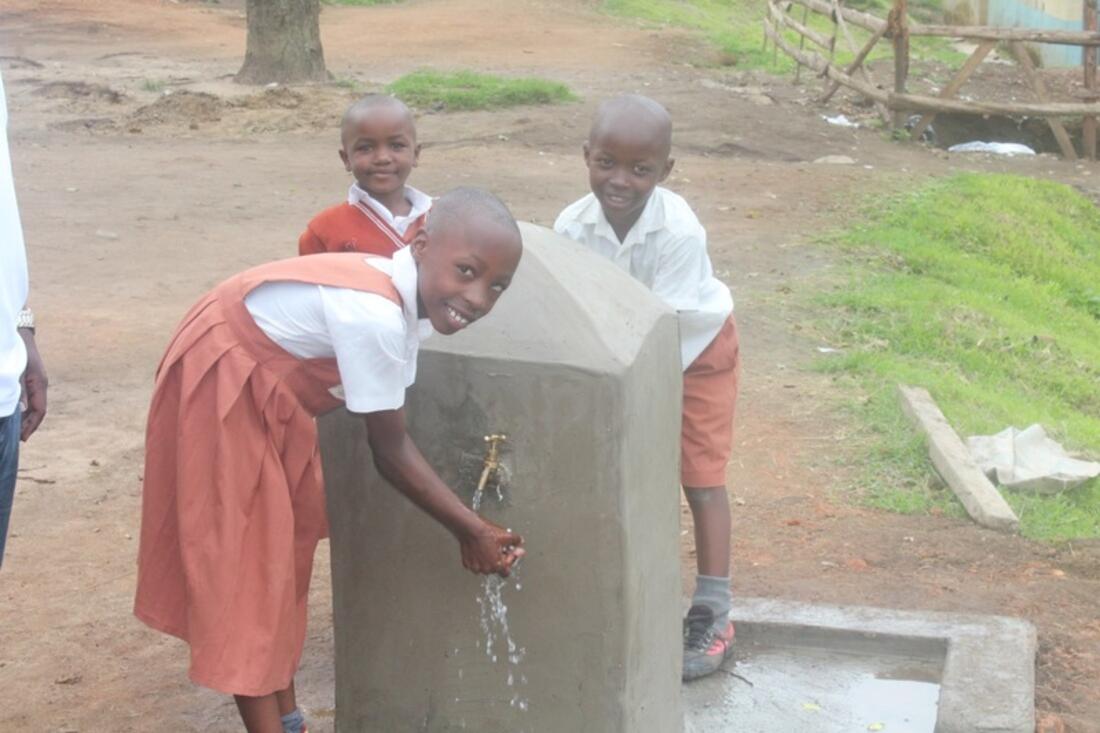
[[232, 500]]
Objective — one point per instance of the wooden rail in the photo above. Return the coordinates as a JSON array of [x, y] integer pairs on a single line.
[[898, 29], [869, 22]]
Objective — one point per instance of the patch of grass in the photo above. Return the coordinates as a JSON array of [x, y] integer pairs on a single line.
[[466, 90], [736, 28], [985, 289], [153, 85], [893, 469]]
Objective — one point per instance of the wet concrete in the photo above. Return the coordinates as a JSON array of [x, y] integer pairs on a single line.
[[825, 669]]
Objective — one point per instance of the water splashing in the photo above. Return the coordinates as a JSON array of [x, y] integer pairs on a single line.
[[498, 637]]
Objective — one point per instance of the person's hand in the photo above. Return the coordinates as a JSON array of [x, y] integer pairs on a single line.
[[491, 549], [34, 382]]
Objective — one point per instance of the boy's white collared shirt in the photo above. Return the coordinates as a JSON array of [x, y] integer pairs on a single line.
[[666, 250], [418, 200], [375, 341]]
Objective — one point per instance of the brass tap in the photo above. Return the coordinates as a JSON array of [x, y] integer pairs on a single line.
[[492, 460], [492, 457]]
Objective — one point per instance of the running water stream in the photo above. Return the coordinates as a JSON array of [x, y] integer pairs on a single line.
[[498, 640]]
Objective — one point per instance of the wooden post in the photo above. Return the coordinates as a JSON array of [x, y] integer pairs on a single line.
[[801, 45], [1060, 134], [1088, 125], [764, 47], [899, 26], [832, 41], [843, 25], [859, 59]]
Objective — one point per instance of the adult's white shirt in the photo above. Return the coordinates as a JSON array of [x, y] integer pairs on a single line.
[[13, 276], [375, 341], [666, 250]]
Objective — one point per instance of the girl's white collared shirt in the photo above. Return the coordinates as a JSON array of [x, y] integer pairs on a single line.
[[375, 341]]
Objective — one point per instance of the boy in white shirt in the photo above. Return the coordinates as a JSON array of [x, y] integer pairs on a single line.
[[653, 234]]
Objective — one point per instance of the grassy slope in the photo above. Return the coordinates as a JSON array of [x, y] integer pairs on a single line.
[[986, 290]]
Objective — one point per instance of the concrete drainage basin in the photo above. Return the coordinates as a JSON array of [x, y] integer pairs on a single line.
[[827, 669]]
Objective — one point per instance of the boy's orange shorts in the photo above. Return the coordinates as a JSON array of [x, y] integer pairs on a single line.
[[710, 395]]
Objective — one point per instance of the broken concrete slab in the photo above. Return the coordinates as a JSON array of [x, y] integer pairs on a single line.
[[800, 666], [952, 460], [579, 366]]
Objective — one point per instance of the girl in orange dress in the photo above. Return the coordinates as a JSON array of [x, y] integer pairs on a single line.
[[233, 503]]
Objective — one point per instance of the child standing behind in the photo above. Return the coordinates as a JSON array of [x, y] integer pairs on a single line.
[[381, 215], [232, 499], [653, 234]]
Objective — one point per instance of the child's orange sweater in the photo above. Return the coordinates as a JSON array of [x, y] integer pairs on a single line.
[[351, 228]]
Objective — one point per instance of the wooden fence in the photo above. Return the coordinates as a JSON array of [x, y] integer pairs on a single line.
[[895, 105]]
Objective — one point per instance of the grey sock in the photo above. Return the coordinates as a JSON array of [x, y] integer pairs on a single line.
[[714, 593], [294, 722]]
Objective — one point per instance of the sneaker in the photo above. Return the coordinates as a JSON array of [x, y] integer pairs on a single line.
[[705, 645]]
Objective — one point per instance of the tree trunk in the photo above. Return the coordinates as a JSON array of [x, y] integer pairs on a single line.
[[284, 43]]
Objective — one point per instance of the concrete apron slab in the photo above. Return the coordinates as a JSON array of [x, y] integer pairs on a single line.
[[803, 667]]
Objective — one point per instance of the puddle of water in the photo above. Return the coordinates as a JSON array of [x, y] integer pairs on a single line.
[[905, 706], [825, 691]]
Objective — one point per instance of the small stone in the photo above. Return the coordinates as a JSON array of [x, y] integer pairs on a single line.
[[105, 234], [858, 564], [835, 160]]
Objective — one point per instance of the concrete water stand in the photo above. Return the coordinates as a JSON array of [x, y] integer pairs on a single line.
[[801, 668], [580, 368]]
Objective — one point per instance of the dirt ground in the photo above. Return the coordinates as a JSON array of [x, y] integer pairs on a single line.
[[135, 201]]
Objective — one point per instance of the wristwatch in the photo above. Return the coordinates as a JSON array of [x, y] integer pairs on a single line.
[[25, 319]]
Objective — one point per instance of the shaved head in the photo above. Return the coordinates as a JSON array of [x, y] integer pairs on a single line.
[[464, 205], [465, 257], [370, 104], [643, 116]]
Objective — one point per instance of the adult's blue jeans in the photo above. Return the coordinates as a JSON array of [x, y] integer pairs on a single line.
[[9, 465]]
